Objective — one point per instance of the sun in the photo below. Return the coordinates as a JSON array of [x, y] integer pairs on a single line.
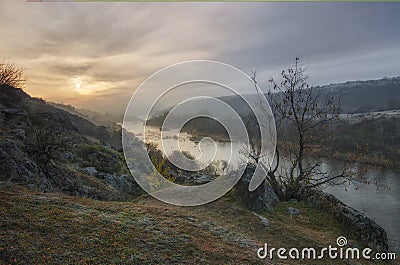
[[85, 86], [83, 90]]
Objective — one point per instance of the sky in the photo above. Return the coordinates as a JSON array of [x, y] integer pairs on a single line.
[[95, 55]]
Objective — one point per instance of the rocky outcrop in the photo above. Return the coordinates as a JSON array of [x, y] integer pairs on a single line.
[[51, 150], [124, 183], [18, 167], [368, 232], [192, 179], [261, 199]]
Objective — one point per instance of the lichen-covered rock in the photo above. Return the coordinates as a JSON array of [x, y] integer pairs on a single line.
[[201, 179], [67, 155], [264, 221], [261, 199], [369, 232], [92, 171], [18, 167], [293, 211], [124, 183]]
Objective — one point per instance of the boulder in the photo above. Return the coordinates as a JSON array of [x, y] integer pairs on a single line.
[[91, 171], [201, 179], [191, 179], [261, 199], [69, 156], [124, 183], [264, 221], [293, 211]]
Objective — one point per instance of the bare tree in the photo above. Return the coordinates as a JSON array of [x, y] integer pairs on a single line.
[[303, 117], [11, 75]]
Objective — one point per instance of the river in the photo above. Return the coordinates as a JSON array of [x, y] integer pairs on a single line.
[[380, 201]]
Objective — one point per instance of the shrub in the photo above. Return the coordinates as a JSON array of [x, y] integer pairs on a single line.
[[102, 158]]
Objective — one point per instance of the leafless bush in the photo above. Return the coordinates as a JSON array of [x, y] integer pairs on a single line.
[[11, 74]]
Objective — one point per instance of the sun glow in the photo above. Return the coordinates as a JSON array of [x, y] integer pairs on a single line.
[[85, 86]]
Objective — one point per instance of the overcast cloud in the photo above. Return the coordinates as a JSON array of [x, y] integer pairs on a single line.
[[110, 48]]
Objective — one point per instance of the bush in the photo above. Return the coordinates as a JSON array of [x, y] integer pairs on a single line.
[[11, 75], [102, 158]]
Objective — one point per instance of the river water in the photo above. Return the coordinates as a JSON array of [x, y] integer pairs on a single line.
[[380, 201]]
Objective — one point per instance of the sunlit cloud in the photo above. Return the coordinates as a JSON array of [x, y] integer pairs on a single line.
[[95, 55]]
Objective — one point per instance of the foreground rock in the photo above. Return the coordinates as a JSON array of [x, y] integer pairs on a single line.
[[293, 211], [369, 232], [192, 179], [260, 200], [264, 221]]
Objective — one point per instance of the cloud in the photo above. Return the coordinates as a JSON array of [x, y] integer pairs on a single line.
[[113, 47]]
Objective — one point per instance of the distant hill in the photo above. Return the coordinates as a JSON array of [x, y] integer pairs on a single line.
[[352, 97], [100, 119], [366, 96]]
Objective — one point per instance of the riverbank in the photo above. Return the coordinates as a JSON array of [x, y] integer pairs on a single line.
[[318, 152], [373, 161], [219, 138], [367, 231]]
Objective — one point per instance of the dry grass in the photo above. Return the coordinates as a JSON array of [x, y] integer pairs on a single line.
[[39, 228]]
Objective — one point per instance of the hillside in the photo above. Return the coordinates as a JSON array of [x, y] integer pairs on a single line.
[[45, 148], [99, 119], [353, 96], [366, 96], [73, 230]]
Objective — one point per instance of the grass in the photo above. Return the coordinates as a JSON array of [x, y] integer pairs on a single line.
[[38, 228]]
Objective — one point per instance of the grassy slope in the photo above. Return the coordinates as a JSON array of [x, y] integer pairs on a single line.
[[38, 228]]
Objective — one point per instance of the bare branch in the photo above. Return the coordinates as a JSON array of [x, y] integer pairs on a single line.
[[11, 75]]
